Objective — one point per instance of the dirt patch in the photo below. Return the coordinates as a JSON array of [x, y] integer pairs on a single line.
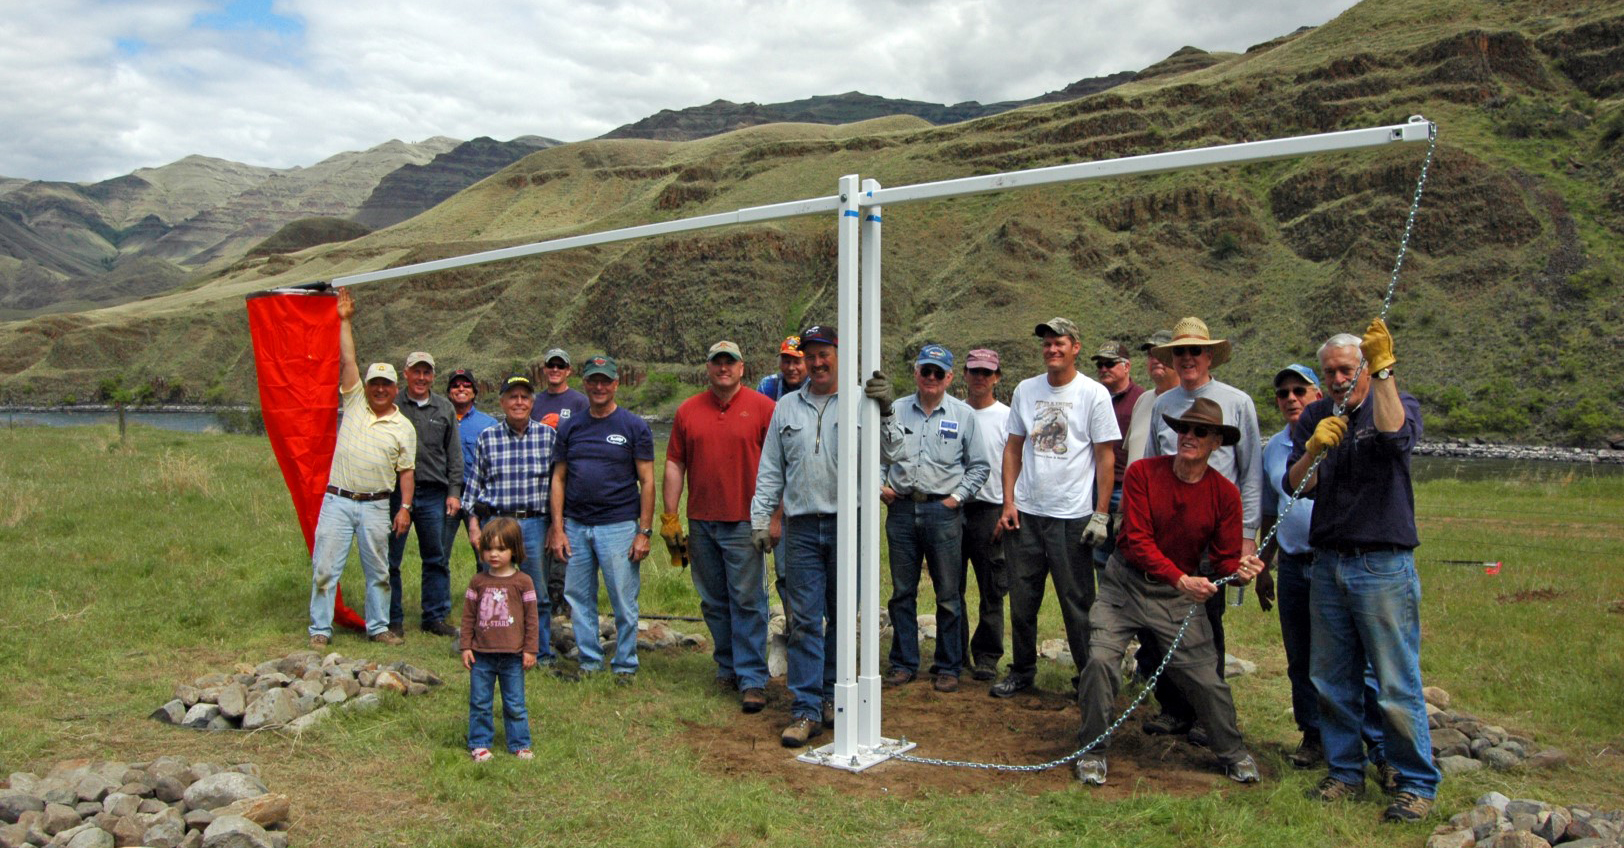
[[1524, 596], [966, 725]]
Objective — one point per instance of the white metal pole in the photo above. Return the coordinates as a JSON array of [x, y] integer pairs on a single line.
[[850, 402], [868, 681]]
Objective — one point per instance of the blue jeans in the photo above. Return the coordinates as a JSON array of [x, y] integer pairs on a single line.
[[488, 671], [729, 576], [340, 522], [1367, 609], [535, 537], [1293, 581], [453, 523], [428, 517], [809, 579], [606, 548], [932, 532]]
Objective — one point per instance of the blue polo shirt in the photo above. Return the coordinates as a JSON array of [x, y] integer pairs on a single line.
[[1364, 497], [600, 486], [468, 428]]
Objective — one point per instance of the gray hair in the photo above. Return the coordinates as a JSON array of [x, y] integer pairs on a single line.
[[1341, 340]]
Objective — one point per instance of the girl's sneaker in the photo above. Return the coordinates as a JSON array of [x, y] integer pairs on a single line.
[[480, 755], [524, 754]]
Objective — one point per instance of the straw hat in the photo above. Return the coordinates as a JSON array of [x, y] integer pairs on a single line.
[[1192, 331], [1209, 413]]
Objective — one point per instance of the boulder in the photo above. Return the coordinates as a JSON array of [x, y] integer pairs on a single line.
[[1436, 696], [59, 817], [235, 832], [218, 723], [307, 688], [13, 836], [54, 790], [263, 810], [86, 809], [1549, 758], [14, 803], [1518, 839], [121, 804], [1456, 764], [1449, 742], [187, 694], [1500, 759], [138, 788], [308, 720], [198, 819], [91, 837], [391, 681], [22, 781], [219, 790], [364, 703], [1554, 827], [128, 831], [200, 715], [233, 700], [168, 788], [164, 830], [151, 805], [168, 767], [170, 713], [334, 694], [270, 709]]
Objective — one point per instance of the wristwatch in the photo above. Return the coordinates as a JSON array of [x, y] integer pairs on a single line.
[[646, 531], [1384, 374]]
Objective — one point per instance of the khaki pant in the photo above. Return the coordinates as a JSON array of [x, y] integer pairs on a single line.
[[1128, 602]]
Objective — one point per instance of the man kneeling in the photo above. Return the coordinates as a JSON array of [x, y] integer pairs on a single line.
[[1176, 514]]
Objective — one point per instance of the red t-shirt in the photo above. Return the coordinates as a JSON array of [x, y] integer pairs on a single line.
[[720, 446], [1168, 524]]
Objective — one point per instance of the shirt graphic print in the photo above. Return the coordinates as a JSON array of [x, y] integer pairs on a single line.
[[493, 609], [1049, 428]]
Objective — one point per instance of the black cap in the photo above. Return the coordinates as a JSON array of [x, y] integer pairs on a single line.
[[819, 334], [517, 381], [462, 374]]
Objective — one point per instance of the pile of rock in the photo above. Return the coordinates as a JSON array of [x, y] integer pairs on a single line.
[[1477, 449], [1499, 822], [165, 803], [651, 636], [1461, 742], [293, 692]]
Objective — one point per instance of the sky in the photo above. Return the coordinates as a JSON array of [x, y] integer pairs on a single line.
[[97, 88]]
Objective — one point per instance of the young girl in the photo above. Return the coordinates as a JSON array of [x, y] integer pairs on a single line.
[[500, 632]]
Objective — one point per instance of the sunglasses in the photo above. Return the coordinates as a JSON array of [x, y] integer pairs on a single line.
[[1200, 431], [931, 372], [559, 367], [980, 372], [1296, 391], [1186, 350]]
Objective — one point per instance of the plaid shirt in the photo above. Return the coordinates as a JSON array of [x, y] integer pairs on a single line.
[[512, 471]]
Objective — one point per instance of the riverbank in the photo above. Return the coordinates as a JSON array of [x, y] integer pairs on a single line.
[[1462, 449]]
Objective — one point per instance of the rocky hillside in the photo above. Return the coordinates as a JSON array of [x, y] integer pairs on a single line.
[[722, 116], [412, 189], [1508, 316]]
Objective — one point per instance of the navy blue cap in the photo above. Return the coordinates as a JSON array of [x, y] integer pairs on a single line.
[[819, 334], [935, 354]]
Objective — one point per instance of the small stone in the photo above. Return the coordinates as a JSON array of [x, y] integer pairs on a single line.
[[1453, 839], [200, 715], [86, 809], [187, 694], [14, 803], [366, 678], [391, 681], [129, 831], [1525, 821], [1472, 729], [1481, 744], [210, 695], [22, 781], [219, 723], [1456, 764], [103, 820], [279, 839], [1500, 759], [307, 687], [1494, 733], [168, 788], [199, 819], [270, 709], [219, 790], [1435, 696], [306, 703], [210, 679], [1448, 742], [164, 830], [91, 837], [1519, 839], [194, 839], [168, 767], [59, 817], [414, 689], [151, 805], [121, 803], [366, 702], [139, 788], [170, 713], [56, 791], [235, 832], [334, 695], [1549, 758], [420, 675], [1555, 826], [263, 810], [233, 700], [13, 836], [308, 720]]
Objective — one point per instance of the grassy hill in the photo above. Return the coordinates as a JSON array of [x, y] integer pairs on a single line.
[[1508, 317]]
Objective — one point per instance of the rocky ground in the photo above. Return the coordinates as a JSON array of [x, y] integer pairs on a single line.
[[1500, 822], [1473, 449], [165, 803]]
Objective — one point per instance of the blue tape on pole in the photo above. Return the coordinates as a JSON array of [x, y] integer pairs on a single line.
[[874, 218], [849, 213]]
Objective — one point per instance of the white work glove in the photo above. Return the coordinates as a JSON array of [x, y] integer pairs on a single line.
[[1094, 533]]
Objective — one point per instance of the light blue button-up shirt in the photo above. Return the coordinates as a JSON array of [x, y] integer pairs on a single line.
[[935, 453], [799, 459], [1293, 533]]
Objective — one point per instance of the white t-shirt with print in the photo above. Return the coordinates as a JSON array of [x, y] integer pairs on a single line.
[[1061, 425]]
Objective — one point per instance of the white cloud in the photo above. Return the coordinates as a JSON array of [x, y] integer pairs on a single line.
[[97, 88]]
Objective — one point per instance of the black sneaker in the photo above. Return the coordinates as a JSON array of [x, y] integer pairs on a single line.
[[1010, 686], [1163, 724], [1199, 737], [440, 628], [1407, 807]]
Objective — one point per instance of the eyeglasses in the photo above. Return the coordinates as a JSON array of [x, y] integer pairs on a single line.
[[559, 367], [1186, 350], [1103, 364], [980, 372], [1200, 431], [931, 372], [1297, 391]]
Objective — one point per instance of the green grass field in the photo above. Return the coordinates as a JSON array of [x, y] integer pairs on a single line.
[[131, 568]]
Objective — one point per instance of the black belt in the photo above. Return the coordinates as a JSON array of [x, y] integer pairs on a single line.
[[1362, 550], [357, 496], [921, 497], [522, 513]]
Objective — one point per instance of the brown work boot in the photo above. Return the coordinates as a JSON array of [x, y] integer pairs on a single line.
[[1330, 789], [898, 677], [1308, 754], [799, 731], [318, 642], [386, 637], [946, 683], [753, 700], [1407, 807]]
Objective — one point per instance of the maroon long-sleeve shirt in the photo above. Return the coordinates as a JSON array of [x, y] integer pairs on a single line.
[[1168, 524], [499, 615]]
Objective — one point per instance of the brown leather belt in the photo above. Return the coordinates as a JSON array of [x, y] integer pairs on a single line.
[[522, 513], [921, 497], [357, 496]]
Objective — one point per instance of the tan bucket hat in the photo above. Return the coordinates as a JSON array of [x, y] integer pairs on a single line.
[[1192, 331]]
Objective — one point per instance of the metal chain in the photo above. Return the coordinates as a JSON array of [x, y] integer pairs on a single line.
[[1150, 684]]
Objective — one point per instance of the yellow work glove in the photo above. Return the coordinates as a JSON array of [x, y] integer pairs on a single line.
[[1377, 347], [676, 541], [1327, 434]]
